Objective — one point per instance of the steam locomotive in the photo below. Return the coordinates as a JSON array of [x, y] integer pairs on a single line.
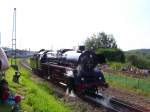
[[76, 69]]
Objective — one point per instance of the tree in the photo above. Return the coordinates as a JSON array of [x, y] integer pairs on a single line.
[[101, 40], [105, 45]]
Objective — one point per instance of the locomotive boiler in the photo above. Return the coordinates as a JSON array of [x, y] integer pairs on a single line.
[[77, 70]]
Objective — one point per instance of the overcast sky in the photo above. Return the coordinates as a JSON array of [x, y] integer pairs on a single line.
[[67, 23]]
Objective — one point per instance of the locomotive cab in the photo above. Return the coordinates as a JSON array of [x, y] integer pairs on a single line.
[[37, 59]]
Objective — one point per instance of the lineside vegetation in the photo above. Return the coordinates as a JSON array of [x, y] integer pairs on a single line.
[[38, 96]]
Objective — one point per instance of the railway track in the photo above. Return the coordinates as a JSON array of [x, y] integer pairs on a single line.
[[111, 104]]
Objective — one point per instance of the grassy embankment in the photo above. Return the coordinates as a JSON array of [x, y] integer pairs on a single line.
[[38, 96], [141, 86]]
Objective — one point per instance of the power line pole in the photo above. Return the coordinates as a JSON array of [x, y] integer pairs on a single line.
[[13, 59]]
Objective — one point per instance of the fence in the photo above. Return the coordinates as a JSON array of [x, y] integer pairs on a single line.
[[128, 81]]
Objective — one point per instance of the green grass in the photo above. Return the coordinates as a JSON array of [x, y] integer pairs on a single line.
[[134, 84], [38, 96]]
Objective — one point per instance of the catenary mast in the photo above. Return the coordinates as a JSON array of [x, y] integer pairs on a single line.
[[13, 59]]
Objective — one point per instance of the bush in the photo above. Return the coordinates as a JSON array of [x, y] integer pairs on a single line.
[[111, 54], [139, 61], [116, 66]]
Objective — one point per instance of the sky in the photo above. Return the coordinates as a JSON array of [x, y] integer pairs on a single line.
[[55, 24]]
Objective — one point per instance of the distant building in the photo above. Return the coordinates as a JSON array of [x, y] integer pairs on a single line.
[[19, 53]]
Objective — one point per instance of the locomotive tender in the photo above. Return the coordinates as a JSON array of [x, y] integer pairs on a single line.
[[77, 70]]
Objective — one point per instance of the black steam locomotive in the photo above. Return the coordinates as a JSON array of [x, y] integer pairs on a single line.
[[77, 70]]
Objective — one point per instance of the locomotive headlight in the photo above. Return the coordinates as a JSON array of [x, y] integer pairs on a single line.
[[100, 78], [82, 79]]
